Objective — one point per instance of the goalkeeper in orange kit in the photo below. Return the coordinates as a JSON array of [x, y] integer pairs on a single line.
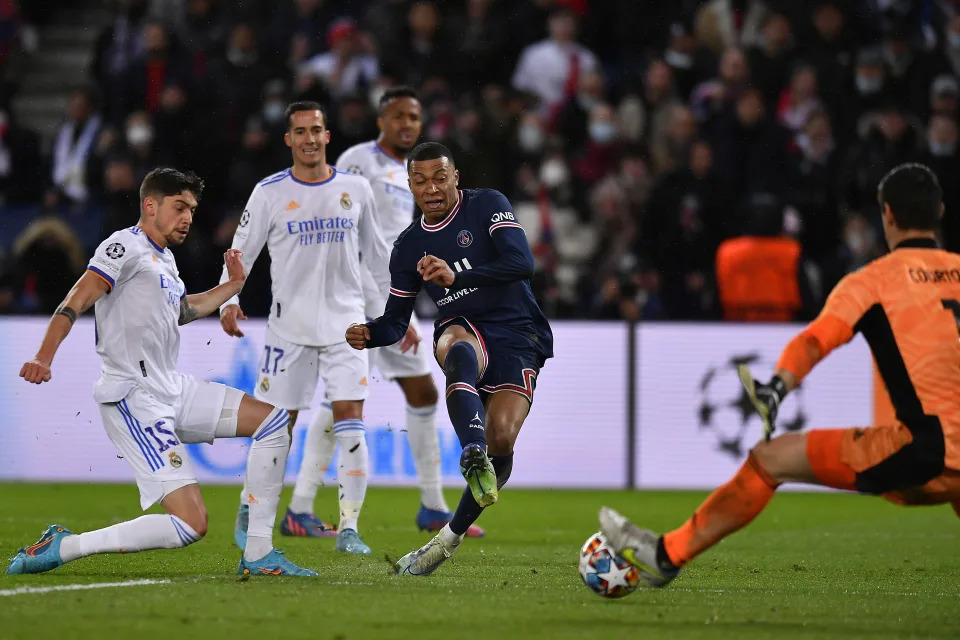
[[907, 306]]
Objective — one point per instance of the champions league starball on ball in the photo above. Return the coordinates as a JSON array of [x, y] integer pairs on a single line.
[[604, 572]]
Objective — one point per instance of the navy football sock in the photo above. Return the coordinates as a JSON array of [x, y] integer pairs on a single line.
[[463, 401], [468, 510]]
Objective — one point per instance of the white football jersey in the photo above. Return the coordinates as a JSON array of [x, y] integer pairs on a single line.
[[388, 179], [391, 191], [316, 233], [137, 322]]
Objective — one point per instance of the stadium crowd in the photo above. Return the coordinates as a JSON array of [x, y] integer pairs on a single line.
[[669, 160]]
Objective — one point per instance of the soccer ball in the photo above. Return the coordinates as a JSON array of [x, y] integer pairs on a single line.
[[604, 572]]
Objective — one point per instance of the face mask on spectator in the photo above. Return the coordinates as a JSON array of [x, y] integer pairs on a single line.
[[678, 60], [241, 58], [602, 132], [587, 102], [869, 85], [139, 134], [530, 138], [273, 111], [942, 149], [553, 173], [857, 242]]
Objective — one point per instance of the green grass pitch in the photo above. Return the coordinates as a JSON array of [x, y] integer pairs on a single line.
[[811, 566]]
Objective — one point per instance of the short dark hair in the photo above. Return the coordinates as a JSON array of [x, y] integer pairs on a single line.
[[914, 195], [303, 105], [393, 93], [429, 151], [167, 181]]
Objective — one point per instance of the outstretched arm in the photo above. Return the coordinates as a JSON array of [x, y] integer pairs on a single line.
[[88, 289], [199, 305]]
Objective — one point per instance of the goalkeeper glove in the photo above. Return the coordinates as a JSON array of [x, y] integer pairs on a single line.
[[766, 398]]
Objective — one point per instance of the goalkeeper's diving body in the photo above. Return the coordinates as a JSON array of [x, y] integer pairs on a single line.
[[907, 306]]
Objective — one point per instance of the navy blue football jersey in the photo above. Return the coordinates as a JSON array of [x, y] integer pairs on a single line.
[[487, 249]]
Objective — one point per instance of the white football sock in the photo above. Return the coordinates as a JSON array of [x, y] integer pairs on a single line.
[[153, 531], [318, 449], [265, 466], [450, 539], [425, 446], [352, 470]]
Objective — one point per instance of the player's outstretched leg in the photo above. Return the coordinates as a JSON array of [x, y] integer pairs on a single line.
[[59, 545], [468, 417], [317, 453], [725, 511], [266, 464]]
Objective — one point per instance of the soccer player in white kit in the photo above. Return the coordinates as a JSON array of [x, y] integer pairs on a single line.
[[318, 224], [149, 410], [383, 163]]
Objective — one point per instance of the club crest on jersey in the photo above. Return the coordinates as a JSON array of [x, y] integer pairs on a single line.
[[464, 238], [345, 200], [244, 218], [265, 385], [115, 251], [354, 169], [175, 460]]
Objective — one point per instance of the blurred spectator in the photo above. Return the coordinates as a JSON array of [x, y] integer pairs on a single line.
[[870, 92], [237, 82], [73, 144], [618, 204], [712, 97], [117, 47], [48, 258], [481, 37], [943, 157], [889, 140], [758, 275], [203, 32], [21, 168], [572, 119], [861, 243], [772, 57], [911, 69], [422, 54], [121, 196], [724, 24], [686, 219], [944, 95], [348, 68], [158, 66], [551, 69], [689, 61], [673, 131], [601, 152], [749, 148], [813, 185], [298, 28], [799, 99], [829, 51]]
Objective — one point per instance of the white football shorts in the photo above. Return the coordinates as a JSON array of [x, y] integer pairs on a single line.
[[152, 436], [289, 373]]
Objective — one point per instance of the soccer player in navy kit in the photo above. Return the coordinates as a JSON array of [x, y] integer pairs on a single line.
[[472, 257]]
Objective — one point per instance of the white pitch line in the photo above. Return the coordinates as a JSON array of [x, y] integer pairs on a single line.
[[79, 587]]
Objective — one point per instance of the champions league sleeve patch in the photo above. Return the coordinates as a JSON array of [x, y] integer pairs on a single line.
[[115, 251]]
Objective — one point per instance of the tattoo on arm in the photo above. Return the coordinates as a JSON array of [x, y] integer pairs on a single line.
[[187, 313], [66, 312]]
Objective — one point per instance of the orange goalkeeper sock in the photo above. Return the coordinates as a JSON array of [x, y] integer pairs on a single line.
[[726, 510]]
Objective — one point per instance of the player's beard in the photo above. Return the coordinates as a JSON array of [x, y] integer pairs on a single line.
[[175, 239]]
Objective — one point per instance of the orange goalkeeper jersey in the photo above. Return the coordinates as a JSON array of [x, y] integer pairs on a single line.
[[907, 306]]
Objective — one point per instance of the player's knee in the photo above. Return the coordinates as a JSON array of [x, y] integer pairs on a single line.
[[275, 429], [197, 520], [460, 354]]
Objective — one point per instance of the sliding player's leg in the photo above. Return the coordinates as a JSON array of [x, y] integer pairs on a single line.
[[143, 430]]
